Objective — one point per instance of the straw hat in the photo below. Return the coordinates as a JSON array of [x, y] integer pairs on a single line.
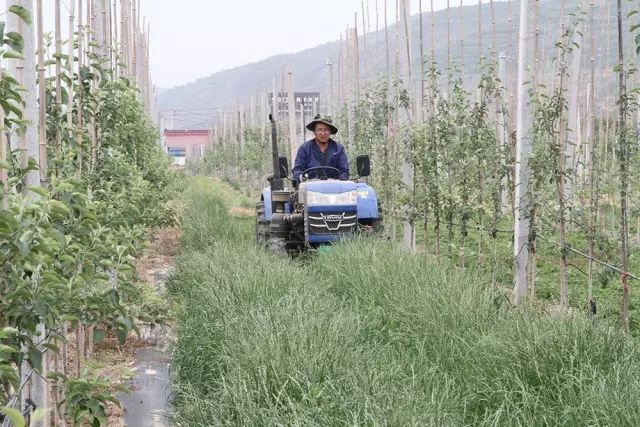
[[324, 120]]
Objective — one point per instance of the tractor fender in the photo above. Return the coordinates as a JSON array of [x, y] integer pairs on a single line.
[[268, 208], [367, 201]]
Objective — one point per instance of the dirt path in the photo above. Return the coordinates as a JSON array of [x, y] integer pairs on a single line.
[[147, 359]]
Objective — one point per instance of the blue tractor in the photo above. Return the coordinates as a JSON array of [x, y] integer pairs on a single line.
[[317, 212]]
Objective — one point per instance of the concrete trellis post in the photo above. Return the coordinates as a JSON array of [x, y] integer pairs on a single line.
[[25, 72], [523, 152]]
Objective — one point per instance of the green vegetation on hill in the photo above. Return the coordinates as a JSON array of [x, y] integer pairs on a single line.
[[367, 334]]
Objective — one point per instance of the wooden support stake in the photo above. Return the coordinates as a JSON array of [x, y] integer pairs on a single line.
[[293, 145]]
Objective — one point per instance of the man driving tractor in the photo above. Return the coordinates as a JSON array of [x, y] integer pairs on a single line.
[[322, 151]]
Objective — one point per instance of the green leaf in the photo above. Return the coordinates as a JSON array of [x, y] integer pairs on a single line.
[[2, 25], [94, 406], [8, 224], [99, 335], [38, 415], [21, 12], [41, 308], [15, 40], [42, 192], [14, 415], [122, 333], [35, 358], [8, 332], [67, 259], [59, 210], [106, 263], [4, 164], [12, 54], [6, 352]]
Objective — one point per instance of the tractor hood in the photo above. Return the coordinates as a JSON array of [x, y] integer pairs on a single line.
[[318, 194], [328, 186]]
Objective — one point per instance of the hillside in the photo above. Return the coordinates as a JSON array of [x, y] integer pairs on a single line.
[[310, 70]]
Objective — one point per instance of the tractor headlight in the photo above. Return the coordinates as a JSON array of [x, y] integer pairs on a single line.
[[336, 199]]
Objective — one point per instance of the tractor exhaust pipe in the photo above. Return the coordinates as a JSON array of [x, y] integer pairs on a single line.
[[276, 182]]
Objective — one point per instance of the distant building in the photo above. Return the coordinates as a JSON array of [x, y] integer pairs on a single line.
[[306, 103], [186, 144]]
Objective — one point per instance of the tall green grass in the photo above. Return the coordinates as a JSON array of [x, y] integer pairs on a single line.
[[366, 334]]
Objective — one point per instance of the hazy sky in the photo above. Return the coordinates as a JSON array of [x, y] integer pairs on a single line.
[[195, 38]]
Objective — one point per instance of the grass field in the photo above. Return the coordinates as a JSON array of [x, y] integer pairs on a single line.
[[368, 335]]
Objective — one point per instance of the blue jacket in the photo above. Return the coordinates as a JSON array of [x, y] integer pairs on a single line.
[[309, 155]]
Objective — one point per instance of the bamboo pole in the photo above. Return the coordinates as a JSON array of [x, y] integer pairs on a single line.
[[511, 85], [396, 116], [377, 63], [42, 105], [353, 89], [560, 192], [593, 203], [433, 36], [494, 48], [339, 97], [407, 166], [263, 113], [242, 125], [573, 143], [117, 48], [356, 57], [479, 28], [291, 116], [124, 36], [40, 387], [386, 43], [461, 17], [502, 122], [109, 33], [624, 173], [364, 48], [70, 69], [58, 45], [134, 41], [70, 96], [449, 65], [4, 178], [330, 83], [90, 26], [422, 91]]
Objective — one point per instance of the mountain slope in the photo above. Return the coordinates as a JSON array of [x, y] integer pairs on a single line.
[[310, 69]]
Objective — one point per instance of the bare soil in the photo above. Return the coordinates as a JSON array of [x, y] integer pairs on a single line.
[[241, 212]]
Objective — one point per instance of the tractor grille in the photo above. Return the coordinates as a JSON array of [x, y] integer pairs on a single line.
[[332, 223]]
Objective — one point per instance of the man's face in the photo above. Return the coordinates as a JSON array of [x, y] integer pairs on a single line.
[[322, 133]]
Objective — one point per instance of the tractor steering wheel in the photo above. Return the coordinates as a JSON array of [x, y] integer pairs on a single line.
[[324, 168]]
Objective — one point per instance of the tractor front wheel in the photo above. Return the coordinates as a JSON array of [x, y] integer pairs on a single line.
[[262, 226]]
